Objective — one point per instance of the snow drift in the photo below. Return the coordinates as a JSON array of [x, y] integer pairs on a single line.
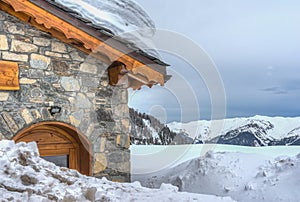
[[24, 176], [243, 177]]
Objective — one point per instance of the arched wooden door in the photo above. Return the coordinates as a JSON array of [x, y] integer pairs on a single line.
[[59, 141]]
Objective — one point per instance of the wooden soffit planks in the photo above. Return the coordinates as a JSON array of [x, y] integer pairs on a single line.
[[9, 76], [68, 33]]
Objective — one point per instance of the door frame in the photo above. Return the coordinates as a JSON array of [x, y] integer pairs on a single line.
[[76, 145]]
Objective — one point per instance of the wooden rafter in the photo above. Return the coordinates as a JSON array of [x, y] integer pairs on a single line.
[[70, 34]]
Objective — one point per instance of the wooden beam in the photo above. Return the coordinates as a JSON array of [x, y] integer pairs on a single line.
[[139, 78], [53, 32], [50, 23]]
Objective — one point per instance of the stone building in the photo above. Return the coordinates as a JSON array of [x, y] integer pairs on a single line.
[[63, 84]]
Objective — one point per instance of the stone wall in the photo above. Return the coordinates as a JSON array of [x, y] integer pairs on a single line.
[[55, 74]]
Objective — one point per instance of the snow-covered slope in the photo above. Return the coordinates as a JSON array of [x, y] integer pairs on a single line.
[[118, 16], [24, 176], [243, 177], [253, 131], [148, 130]]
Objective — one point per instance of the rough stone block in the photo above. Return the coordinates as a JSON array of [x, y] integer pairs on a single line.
[[27, 81], [61, 67], [82, 102], [10, 122], [23, 47], [102, 144], [36, 73], [76, 118], [123, 141], [104, 115], [52, 54], [25, 113], [58, 47], [45, 113], [13, 28], [51, 78], [4, 96], [100, 162], [36, 92], [88, 68], [115, 157], [6, 132], [70, 84], [14, 57], [125, 125], [121, 111], [90, 95], [118, 140], [66, 56], [18, 119], [123, 167], [75, 56], [124, 96], [39, 61], [90, 130], [36, 114], [41, 41], [89, 81], [3, 42], [75, 122]]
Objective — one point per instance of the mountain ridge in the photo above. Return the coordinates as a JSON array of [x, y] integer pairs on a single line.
[[249, 131], [245, 131]]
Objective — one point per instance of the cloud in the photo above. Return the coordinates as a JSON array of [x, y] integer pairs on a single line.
[[275, 90], [271, 89], [254, 44]]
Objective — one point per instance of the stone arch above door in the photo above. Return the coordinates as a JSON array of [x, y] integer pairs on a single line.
[[60, 139]]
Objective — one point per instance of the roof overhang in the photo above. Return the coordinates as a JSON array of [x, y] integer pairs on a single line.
[[60, 24]]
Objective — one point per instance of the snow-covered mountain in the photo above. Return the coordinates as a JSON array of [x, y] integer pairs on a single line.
[[147, 130], [253, 131], [24, 176]]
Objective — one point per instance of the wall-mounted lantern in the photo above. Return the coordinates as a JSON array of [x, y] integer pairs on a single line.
[[54, 110]]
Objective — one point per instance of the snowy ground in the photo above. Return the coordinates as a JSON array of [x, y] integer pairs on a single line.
[[243, 173], [24, 176]]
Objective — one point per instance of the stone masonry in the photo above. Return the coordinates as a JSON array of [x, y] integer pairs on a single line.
[[55, 74]]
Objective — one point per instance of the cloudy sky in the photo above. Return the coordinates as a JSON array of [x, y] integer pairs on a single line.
[[254, 45]]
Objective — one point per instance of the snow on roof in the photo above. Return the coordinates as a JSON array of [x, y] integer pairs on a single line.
[[124, 18]]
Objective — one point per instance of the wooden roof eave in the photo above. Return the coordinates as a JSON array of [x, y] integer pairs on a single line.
[[38, 17]]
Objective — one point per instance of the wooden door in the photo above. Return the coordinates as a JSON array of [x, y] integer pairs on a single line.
[[54, 141]]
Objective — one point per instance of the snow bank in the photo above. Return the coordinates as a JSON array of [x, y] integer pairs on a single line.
[[24, 176], [243, 177]]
